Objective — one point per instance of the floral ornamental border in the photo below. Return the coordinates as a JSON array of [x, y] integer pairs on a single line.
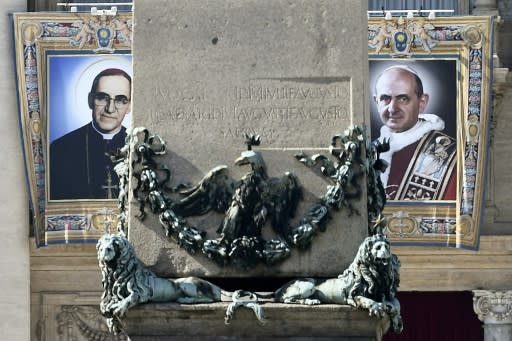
[[470, 39], [36, 35]]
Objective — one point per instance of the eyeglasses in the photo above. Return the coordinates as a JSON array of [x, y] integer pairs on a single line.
[[102, 99]]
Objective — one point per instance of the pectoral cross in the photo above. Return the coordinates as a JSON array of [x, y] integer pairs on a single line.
[[401, 226], [106, 222], [109, 187]]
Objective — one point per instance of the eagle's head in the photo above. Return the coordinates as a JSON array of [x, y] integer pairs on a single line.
[[250, 157]]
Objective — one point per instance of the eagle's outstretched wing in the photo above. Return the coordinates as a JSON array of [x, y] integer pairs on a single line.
[[213, 192], [283, 197]]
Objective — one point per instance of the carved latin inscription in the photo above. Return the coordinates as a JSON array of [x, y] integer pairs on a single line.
[[268, 107]]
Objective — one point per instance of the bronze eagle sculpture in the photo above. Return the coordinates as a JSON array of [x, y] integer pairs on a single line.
[[247, 204]]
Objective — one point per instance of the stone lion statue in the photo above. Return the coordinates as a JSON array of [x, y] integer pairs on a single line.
[[370, 282], [127, 283]]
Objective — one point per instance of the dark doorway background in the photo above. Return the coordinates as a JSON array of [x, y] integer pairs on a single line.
[[438, 316]]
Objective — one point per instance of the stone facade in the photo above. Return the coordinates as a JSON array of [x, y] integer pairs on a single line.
[[14, 246], [65, 280]]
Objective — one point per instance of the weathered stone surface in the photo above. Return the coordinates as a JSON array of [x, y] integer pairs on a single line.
[[207, 72], [151, 321], [14, 247], [501, 175]]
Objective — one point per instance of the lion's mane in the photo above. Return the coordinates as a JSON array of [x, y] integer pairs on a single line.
[[369, 278], [123, 276]]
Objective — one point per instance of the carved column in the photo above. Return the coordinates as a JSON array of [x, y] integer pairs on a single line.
[[494, 309], [14, 242]]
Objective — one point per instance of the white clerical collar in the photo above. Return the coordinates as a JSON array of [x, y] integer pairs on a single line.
[[397, 141], [107, 136], [425, 124]]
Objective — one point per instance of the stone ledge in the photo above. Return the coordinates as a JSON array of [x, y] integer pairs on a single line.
[[155, 321]]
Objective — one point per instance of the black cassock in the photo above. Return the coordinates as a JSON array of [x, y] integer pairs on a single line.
[[80, 165]]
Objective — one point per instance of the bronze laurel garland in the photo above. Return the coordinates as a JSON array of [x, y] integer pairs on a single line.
[[252, 201]]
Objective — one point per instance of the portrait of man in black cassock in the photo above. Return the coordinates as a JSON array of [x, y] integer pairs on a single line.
[[80, 165]]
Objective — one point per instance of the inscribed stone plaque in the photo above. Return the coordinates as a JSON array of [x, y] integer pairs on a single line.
[[208, 72]]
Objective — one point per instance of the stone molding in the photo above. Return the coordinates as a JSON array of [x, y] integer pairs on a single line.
[[73, 316], [75, 321], [160, 321]]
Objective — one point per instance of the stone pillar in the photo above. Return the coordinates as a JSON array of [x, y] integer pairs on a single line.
[[216, 69], [14, 241], [485, 7], [494, 309], [490, 7]]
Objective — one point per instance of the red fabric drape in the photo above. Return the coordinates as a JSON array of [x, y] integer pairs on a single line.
[[438, 316]]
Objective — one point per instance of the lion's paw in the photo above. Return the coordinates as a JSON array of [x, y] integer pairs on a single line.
[[311, 301], [377, 309], [121, 309], [397, 324]]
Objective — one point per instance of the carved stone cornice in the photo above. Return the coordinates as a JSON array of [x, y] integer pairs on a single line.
[[493, 307], [84, 323], [324, 321]]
